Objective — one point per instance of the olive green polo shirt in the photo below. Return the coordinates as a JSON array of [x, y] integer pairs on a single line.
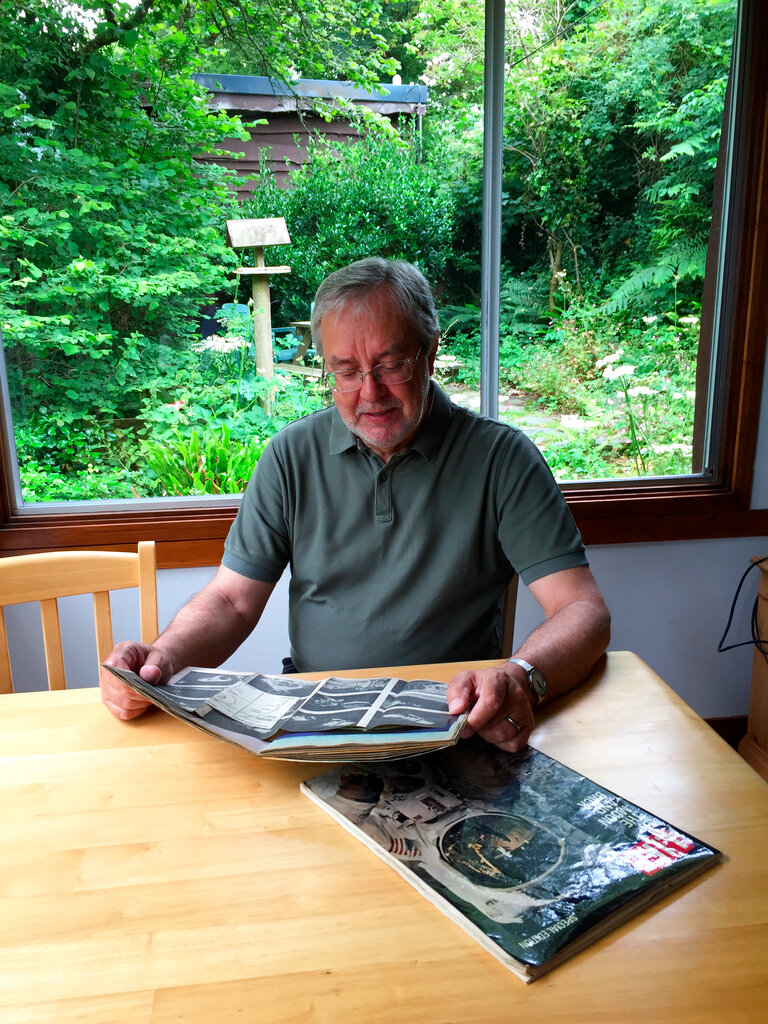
[[403, 562]]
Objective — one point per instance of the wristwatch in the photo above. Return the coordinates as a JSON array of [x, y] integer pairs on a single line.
[[536, 680]]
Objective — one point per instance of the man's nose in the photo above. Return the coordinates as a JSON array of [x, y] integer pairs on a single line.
[[370, 386]]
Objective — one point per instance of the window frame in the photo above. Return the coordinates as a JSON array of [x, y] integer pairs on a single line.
[[607, 512]]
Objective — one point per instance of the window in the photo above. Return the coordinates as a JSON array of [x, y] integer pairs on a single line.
[[715, 502], [610, 139]]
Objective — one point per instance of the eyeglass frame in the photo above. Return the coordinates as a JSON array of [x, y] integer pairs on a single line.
[[372, 372]]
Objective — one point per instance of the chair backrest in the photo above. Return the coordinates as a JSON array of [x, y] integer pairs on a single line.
[[46, 577], [508, 618]]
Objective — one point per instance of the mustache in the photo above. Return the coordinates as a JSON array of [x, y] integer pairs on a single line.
[[373, 407]]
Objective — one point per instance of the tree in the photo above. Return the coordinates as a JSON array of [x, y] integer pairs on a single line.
[[350, 201], [611, 133], [112, 236]]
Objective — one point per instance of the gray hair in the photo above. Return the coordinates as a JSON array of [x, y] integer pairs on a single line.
[[351, 288]]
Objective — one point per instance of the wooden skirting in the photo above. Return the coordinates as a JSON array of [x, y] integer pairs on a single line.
[[755, 756], [732, 729]]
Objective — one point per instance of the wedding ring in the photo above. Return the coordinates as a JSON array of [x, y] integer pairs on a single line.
[[513, 722]]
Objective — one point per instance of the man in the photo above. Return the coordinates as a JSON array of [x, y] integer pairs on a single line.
[[403, 518]]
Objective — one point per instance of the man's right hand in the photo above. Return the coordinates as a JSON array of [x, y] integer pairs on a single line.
[[150, 663], [206, 631]]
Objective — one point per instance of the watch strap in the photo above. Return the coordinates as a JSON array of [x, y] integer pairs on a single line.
[[536, 681]]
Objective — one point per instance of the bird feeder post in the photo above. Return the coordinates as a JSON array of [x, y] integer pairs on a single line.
[[256, 234]]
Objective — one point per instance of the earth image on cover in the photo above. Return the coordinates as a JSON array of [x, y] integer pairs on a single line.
[[500, 851]]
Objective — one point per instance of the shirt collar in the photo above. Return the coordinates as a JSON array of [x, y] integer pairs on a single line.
[[429, 436]]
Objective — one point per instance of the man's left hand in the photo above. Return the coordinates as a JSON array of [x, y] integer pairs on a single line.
[[500, 703]]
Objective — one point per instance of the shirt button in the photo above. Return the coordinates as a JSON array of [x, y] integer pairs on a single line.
[[383, 478]]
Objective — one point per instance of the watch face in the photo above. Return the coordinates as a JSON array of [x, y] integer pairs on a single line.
[[536, 679], [538, 682]]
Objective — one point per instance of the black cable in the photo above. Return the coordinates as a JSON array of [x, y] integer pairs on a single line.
[[558, 35], [760, 643]]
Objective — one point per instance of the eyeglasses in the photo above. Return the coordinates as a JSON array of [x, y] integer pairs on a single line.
[[398, 372]]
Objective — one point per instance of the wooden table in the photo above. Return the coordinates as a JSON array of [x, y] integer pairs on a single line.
[[152, 874]]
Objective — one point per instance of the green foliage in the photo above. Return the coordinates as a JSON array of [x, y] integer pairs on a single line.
[[610, 139], [205, 442], [112, 233], [211, 464], [578, 455], [679, 263], [60, 462], [623, 391], [107, 256], [112, 241], [43, 482], [375, 197]]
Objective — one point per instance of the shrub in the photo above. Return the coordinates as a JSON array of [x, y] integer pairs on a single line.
[[373, 197], [212, 463]]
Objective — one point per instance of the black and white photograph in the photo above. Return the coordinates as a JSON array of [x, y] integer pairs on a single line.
[[301, 719]]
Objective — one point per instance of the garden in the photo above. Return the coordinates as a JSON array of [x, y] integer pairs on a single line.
[[126, 333]]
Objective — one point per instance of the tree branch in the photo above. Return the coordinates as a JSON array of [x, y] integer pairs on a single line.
[[112, 34]]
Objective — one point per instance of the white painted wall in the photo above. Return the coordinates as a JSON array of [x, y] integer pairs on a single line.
[[669, 602]]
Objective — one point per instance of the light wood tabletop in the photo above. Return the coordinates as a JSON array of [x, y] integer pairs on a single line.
[[150, 873]]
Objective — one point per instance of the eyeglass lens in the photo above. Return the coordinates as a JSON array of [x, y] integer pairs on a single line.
[[385, 373]]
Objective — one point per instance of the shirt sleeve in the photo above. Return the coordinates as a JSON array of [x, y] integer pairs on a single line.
[[536, 528], [258, 544]]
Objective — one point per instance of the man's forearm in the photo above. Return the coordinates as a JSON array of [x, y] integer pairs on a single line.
[[205, 632], [212, 625], [566, 646]]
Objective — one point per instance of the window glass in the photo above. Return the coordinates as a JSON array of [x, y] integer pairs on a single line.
[[128, 333], [612, 125]]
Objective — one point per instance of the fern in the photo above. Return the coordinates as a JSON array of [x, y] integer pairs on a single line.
[[520, 295], [682, 261], [456, 318]]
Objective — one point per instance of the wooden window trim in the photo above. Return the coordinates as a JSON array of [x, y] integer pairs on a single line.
[[607, 513]]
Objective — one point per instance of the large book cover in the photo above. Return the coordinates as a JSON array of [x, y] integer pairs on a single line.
[[294, 719], [531, 859]]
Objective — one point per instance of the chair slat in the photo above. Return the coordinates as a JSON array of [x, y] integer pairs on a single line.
[[508, 618], [148, 591], [54, 656], [65, 573], [46, 577], [102, 614], [6, 677]]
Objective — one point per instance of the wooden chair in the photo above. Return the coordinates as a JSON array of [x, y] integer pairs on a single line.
[[46, 577], [508, 618]]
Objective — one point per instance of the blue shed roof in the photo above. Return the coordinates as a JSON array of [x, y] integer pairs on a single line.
[[311, 88]]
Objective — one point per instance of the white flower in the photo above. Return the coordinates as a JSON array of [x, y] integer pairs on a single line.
[[216, 343], [612, 373], [689, 319], [609, 359], [641, 389], [650, 319]]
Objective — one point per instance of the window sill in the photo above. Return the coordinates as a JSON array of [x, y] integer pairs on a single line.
[[190, 537]]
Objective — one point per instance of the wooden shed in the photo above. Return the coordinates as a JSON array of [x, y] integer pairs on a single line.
[[281, 142]]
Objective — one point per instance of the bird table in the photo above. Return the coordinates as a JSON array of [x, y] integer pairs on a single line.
[[255, 235]]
